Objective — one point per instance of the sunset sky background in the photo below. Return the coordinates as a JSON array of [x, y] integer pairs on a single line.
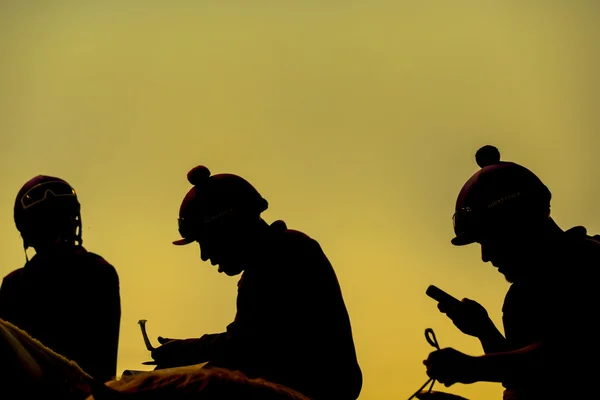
[[357, 121]]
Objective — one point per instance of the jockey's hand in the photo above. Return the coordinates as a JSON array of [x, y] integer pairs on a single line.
[[433, 395], [175, 352], [449, 366], [163, 340], [470, 317]]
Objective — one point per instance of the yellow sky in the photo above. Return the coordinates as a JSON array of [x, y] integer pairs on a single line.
[[357, 122]]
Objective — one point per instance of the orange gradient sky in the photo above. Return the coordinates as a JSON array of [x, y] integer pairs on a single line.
[[357, 121]]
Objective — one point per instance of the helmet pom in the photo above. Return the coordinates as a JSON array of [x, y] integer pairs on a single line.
[[487, 155], [198, 174]]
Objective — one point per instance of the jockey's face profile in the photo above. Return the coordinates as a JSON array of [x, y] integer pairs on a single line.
[[220, 212], [506, 209], [509, 253], [226, 244]]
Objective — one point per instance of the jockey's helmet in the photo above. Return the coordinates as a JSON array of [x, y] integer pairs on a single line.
[[496, 197], [215, 198], [47, 207]]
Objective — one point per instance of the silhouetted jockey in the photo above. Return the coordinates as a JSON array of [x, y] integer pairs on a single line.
[[291, 325], [551, 307], [65, 296]]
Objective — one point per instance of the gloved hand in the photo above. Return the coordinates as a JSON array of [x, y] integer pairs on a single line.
[[176, 352], [470, 317]]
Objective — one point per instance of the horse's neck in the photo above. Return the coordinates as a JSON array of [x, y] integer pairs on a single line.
[[16, 358], [38, 364]]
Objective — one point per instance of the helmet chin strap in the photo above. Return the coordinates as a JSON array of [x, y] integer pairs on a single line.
[[75, 238], [58, 243], [26, 245]]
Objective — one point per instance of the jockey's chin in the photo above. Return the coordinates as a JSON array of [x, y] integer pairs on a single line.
[[230, 269]]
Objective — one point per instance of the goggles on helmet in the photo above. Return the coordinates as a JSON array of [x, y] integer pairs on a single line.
[[40, 192]]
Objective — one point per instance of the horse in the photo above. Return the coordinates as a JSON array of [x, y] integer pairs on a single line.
[[30, 369], [33, 371]]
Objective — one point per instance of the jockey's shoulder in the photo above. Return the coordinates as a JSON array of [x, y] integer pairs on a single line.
[[296, 248], [98, 266], [14, 275], [292, 237]]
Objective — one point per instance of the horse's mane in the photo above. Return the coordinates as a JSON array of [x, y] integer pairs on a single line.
[[197, 382], [30, 343], [32, 363]]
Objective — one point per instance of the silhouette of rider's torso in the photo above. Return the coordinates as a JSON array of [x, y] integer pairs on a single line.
[[71, 303], [292, 326], [557, 306]]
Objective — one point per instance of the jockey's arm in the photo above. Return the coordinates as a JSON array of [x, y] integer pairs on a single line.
[[563, 349], [558, 357], [492, 340], [248, 340], [497, 367], [223, 348]]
